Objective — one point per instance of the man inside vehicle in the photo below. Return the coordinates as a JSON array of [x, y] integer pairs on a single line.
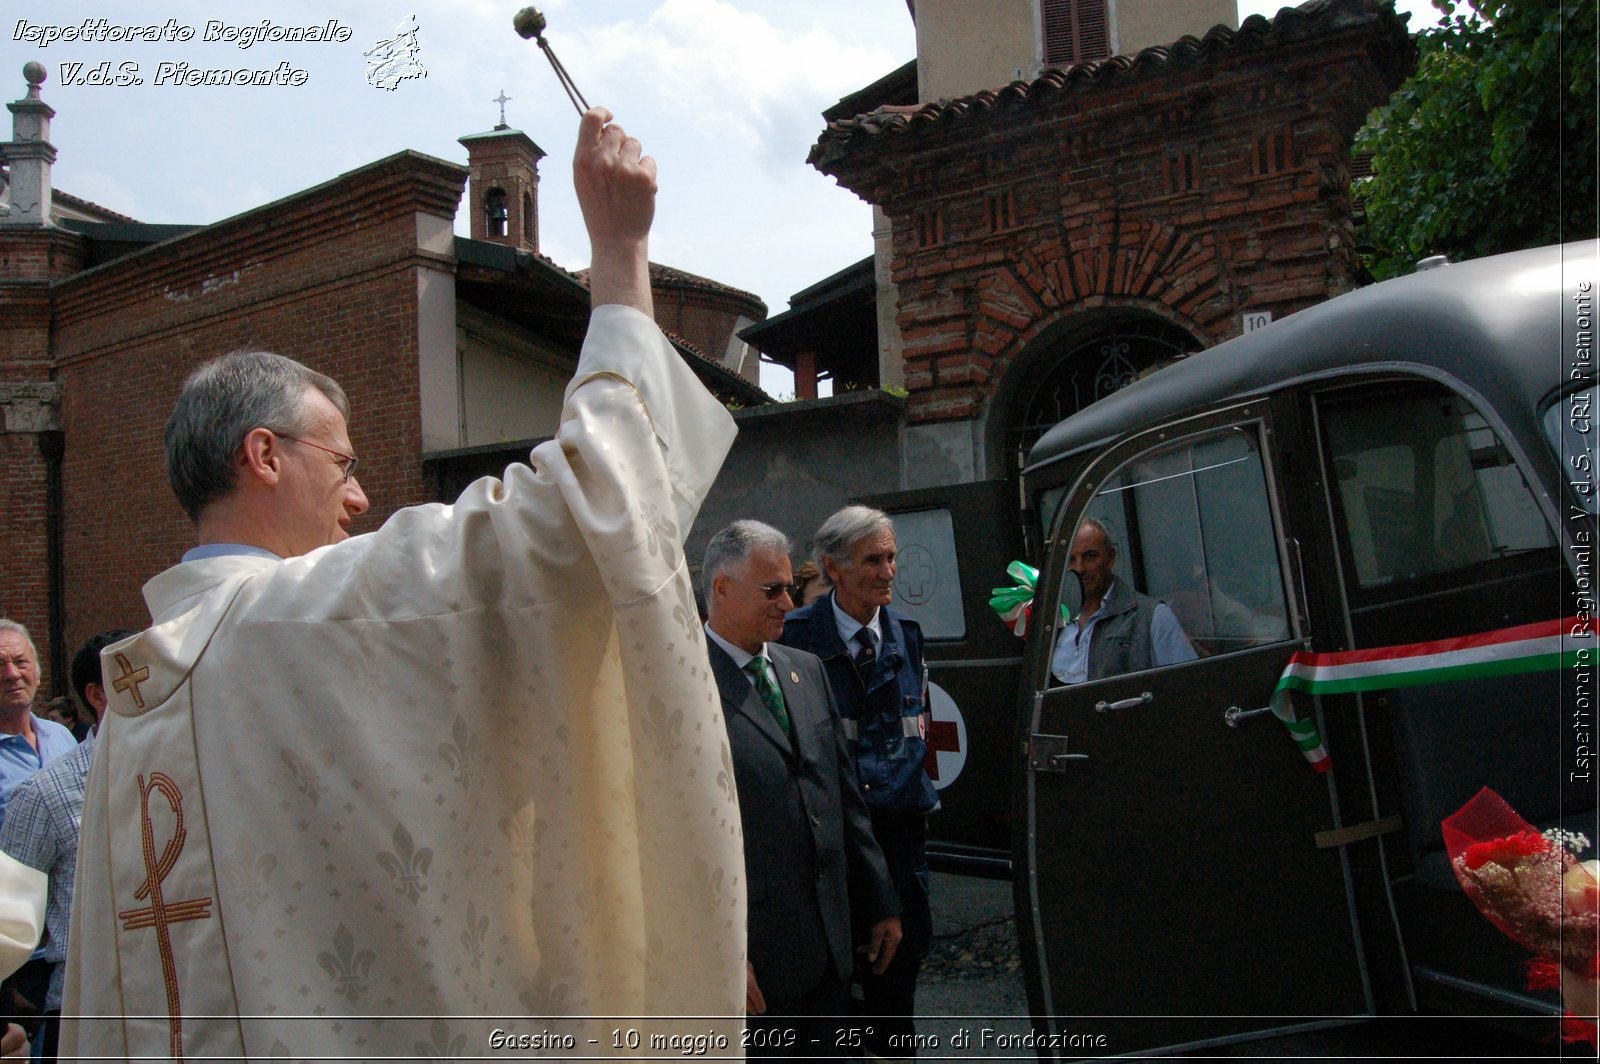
[[1117, 630]]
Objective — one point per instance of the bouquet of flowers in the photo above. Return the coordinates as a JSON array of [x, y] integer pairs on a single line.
[[1534, 889]]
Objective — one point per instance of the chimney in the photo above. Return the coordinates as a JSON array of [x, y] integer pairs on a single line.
[[503, 189], [29, 154]]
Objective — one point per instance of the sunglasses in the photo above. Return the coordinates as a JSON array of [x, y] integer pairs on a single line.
[[774, 590]]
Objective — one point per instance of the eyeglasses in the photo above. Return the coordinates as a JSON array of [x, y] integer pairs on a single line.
[[347, 462], [773, 590]]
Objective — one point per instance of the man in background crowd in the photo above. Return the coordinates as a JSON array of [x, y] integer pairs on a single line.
[[41, 829], [28, 742]]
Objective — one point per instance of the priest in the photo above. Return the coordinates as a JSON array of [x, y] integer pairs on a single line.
[[381, 796]]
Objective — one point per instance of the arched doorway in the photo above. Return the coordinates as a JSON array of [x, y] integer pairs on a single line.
[[1085, 364]]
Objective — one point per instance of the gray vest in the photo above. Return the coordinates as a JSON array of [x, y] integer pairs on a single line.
[[1121, 642]]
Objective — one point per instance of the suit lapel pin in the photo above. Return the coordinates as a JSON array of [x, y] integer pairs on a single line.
[[794, 677]]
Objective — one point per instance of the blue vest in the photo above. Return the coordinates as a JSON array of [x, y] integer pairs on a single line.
[[881, 712]]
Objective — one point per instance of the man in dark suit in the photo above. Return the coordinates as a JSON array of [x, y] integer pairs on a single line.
[[810, 858]]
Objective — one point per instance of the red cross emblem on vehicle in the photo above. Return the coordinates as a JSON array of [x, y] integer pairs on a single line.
[[946, 737]]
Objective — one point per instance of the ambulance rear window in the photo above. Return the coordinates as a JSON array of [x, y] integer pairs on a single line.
[[1425, 486]]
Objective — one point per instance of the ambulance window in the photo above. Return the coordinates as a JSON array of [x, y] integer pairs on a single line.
[[1049, 503], [1570, 427], [927, 587], [1425, 487], [1193, 528]]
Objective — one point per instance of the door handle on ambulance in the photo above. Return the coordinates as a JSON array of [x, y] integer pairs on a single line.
[[1126, 703], [1233, 714]]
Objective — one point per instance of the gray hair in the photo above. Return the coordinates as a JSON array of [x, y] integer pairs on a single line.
[[222, 402], [8, 625], [736, 543], [844, 530]]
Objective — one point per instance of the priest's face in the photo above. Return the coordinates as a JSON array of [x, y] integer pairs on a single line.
[[742, 610], [19, 675], [319, 500]]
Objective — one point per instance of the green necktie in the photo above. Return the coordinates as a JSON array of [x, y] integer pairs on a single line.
[[761, 669]]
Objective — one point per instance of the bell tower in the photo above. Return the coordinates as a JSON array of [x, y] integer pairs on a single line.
[[503, 189]]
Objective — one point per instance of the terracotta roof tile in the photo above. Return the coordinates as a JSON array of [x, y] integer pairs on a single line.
[[671, 275], [1291, 25], [730, 379]]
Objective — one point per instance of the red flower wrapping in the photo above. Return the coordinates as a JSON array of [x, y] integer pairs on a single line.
[[1538, 894], [1519, 880], [1544, 974], [1507, 851]]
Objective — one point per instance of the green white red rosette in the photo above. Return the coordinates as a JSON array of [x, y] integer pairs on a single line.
[[1015, 604]]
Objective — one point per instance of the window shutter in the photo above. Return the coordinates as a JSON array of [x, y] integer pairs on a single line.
[[1075, 31], [1093, 32], [1057, 32]]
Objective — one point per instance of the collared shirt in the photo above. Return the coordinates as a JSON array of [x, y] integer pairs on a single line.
[[849, 626], [42, 832], [1168, 643], [19, 760], [741, 657], [222, 550]]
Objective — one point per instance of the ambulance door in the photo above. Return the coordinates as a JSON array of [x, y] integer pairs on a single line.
[[1172, 890], [1437, 537]]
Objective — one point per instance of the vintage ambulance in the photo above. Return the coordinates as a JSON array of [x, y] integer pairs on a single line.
[[1401, 483]]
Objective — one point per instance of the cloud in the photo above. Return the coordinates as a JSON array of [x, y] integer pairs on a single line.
[[748, 78]]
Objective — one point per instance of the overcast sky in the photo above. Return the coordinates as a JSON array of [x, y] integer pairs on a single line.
[[726, 94]]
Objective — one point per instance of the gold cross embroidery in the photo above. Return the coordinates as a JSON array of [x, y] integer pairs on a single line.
[[131, 678], [160, 913]]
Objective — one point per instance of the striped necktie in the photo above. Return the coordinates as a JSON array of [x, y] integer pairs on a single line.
[[867, 655]]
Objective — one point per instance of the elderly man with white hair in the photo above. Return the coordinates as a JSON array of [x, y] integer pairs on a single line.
[[872, 655], [28, 742]]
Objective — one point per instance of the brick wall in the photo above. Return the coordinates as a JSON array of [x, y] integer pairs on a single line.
[[706, 319], [30, 258], [1190, 185], [24, 559]]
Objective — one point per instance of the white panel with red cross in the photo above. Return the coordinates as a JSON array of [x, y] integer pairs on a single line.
[[947, 739]]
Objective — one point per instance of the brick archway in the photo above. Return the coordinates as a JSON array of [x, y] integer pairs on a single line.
[[968, 324], [1095, 359], [1088, 357]]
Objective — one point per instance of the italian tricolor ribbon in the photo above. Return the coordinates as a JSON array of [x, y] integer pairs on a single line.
[[1503, 652], [1015, 604]]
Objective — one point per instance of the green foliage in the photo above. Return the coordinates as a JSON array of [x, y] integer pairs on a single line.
[[1490, 146]]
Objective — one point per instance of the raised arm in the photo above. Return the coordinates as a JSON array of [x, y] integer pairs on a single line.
[[616, 187]]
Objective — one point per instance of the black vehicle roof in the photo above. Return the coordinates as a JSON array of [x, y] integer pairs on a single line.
[[1494, 324]]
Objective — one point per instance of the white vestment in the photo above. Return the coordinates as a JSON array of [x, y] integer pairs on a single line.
[[22, 899], [383, 799]]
